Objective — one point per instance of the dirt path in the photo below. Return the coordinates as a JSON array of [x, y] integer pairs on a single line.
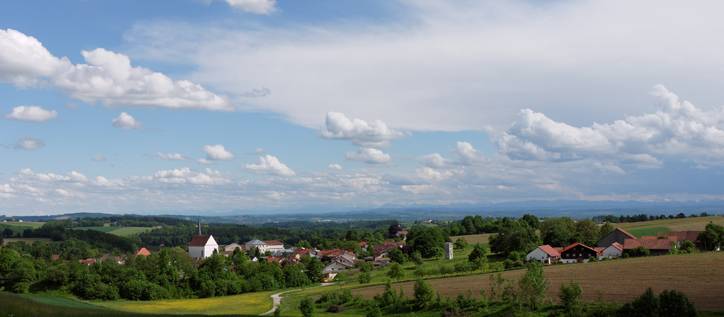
[[277, 299]]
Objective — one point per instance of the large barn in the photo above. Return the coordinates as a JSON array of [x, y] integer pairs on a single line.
[[617, 235]]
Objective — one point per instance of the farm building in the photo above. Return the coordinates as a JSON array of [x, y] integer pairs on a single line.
[[230, 248], [272, 246], [617, 235], [613, 251], [579, 252], [387, 246], [202, 246], [544, 253], [655, 245]]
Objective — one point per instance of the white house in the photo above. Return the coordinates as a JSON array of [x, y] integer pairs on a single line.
[[202, 246], [613, 251], [545, 254], [334, 267]]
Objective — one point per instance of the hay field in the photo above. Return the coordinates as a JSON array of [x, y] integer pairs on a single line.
[[695, 223], [700, 276], [482, 238], [244, 304]]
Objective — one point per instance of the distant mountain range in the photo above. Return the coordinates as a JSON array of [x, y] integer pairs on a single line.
[[576, 209]]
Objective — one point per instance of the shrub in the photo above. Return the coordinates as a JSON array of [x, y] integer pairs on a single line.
[[570, 296], [423, 294], [461, 267], [533, 286], [364, 278], [446, 269], [673, 303], [395, 271], [306, 307]]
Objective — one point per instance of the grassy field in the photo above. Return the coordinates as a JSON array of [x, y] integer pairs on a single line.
[[700, 276], [482, 238], [648, 231], [119, 231], [19, 227], [60, 306], [697, 223], [244, 304]]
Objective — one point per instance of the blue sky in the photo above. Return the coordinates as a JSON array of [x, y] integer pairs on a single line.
[[262, 105]]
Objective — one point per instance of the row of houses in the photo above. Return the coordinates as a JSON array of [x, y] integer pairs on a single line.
[[613, 245], [121, 260]]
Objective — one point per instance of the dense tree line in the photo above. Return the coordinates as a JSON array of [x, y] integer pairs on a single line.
[[169, 273], [316, 235], [643, 217]]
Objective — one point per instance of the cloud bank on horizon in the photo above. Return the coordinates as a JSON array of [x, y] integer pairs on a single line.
[[418, 103]]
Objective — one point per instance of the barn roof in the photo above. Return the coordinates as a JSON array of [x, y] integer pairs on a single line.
[[626, 233], [551, 251], [649, 242], [617, 246], [576, 244], [690, 235], [199, 240]]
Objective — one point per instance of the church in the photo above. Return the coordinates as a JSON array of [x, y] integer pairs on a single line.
[[202, 245]]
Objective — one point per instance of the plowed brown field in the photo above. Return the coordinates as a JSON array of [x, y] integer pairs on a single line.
[[699, 276]]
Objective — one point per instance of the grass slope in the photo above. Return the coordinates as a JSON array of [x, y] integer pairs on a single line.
[[700, 276], [119, 231], [482, 238], [680, 224], [244, 304], [58, 306]]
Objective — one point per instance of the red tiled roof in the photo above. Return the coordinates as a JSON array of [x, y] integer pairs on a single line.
[[385, 247], [685, 235], [649, 242], [302, 251], [199, 240], [330, 253], [88, 261], [274, 242], [578, 243], [551, 251], [617, 246], [143, 252]]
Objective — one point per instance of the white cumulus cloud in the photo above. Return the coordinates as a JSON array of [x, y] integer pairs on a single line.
[[217, 153], [374, 133], [29, 144], [170, 156], [676, 129], [106, 77], [31, 113], [335, 166], [272, 165], [187, 176], [253, 6], [466, 151], [126, 121], [369, 155]]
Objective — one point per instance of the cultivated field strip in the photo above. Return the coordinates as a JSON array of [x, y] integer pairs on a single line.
[[699, 276]]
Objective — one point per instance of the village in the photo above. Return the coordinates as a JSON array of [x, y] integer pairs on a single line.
[[202, 246]]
